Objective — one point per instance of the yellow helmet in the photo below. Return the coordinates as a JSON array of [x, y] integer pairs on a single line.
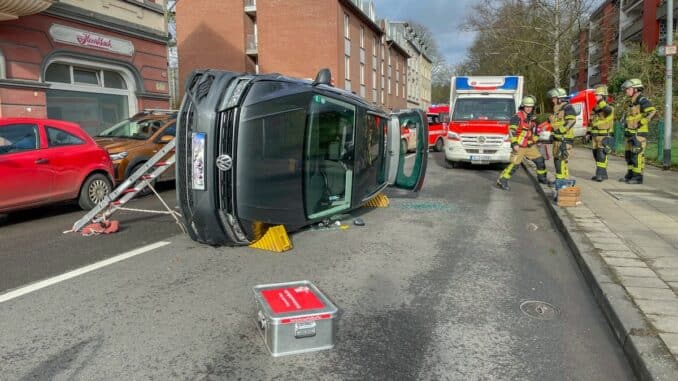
[[633, 82], [557, 92], [528, 101], [601, 90]]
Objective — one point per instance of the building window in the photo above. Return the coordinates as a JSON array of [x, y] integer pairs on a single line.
[[2, 65], [374, 46], [362, 37], [347, 26], [94, 97], [374, 79], [362, 74], [347, 67], [397, 85]]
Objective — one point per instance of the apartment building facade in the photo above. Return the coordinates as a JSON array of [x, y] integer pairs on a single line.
[[612, 26], [90, 62], [295, 38], [419, 65]]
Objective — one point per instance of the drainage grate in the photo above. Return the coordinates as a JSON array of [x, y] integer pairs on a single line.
[[539, 310]]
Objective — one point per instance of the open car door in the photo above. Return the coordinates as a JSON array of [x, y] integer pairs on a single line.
[[407, 171]]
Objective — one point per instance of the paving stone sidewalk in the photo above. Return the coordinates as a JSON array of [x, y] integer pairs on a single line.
[[626, 240]]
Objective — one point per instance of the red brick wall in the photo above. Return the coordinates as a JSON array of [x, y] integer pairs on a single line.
[[17, 102], [210, 34], [650, 24], [298, 38]]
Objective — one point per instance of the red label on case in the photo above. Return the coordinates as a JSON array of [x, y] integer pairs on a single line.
[[292, 299]]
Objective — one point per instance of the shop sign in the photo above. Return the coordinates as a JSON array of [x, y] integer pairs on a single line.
[[87, 39]]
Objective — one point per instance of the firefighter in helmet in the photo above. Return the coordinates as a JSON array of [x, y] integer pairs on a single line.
[[562, 120], [522, 128], [641, 112], [601, 132]]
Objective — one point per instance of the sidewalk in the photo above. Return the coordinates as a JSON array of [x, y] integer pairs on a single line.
[[625, 238]]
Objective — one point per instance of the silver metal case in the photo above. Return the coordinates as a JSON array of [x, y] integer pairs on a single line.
[[294, 317]]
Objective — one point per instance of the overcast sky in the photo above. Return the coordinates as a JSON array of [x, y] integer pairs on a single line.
[[442, 17]]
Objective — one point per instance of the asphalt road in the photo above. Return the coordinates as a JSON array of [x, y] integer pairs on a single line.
[[429, 288], [33, 246]]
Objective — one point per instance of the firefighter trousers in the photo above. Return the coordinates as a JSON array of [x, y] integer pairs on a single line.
[[531, 153], [601, 148], [635, 155], [561, 152]]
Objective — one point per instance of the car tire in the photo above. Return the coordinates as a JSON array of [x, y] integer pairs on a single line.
[[94, 189], [146, 191], [451, 164], [439, 146]]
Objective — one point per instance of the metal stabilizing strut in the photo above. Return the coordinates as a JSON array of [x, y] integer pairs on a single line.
[[135, 183]]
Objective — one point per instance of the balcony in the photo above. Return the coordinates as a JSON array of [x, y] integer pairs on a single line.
[[633, 7], [251, 7], [632, 29], [13, 9], [251, 46]]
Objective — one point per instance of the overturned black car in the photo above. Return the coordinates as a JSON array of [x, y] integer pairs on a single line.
[[255, 151]]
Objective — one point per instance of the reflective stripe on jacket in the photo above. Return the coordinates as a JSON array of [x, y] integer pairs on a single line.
[[603, 119]]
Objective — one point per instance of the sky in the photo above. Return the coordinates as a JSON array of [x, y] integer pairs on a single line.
[[442, 17]]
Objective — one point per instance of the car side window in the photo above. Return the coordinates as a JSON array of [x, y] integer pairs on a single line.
[[58, 138], [18, 137], [171, 130]]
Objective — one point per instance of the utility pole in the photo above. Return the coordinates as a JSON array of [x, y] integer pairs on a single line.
[[668, 103]]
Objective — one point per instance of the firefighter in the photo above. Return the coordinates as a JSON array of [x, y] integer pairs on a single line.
[[601, 133], [522, 128], [562, 120], [641, 112]]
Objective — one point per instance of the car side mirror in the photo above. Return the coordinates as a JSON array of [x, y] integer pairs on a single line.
[[324, 77], [166, 139]]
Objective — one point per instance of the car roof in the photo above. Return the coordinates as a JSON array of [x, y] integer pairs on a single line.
[[52, 122]]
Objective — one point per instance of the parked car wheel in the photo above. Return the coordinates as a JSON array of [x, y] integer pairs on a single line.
[[439, 145], [95, 188], [451, 164]]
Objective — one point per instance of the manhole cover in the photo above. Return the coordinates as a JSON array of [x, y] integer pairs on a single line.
[[539, 310]]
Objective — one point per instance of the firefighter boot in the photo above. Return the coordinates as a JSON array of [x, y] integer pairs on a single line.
[[600, 174], [502, 183], [542, 179], [595, 158], [635, 179], [626, 177]]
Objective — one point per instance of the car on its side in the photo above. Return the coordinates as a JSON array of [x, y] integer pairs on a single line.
[[133, 141], [254, 151], [44, 161]]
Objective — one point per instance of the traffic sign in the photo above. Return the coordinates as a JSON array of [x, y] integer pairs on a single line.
[[670, 50]]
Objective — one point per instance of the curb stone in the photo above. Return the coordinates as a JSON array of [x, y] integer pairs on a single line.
[[648, 355]]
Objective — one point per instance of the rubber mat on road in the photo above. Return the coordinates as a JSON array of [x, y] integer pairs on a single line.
[[379, 201], [275, 240]]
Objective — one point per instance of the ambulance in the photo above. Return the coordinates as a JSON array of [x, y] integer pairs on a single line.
[[480, 109]]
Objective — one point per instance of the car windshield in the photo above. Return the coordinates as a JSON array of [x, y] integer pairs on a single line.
[[133, 129], [433, 118], [302, 144], [483, 109]]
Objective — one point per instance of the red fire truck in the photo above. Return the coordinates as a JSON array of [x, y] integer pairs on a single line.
[[438, 119], [480, 110], [583, 102]]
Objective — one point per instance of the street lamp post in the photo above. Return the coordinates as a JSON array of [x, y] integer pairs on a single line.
[[668, 103]]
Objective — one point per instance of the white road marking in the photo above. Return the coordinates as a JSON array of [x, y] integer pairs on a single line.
[[77, 272]]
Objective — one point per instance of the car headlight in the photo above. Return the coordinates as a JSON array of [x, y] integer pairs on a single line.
[[453, 136], [118, 156]]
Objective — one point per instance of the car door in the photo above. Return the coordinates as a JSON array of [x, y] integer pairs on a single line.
[[25, 176], [67, 155], [407, 171]]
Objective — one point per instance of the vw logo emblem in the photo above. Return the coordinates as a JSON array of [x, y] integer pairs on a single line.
[[224, 162], [481, 139]]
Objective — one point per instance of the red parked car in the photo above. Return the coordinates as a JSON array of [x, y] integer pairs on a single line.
[[44, 161]]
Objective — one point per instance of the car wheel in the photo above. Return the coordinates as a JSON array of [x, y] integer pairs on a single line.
[[439, 145], [95, 188], [146, 191], [451, 164]]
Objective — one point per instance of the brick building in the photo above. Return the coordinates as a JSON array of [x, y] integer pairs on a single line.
[[90, 62], [419, 65], [612, 26], [295, 38]]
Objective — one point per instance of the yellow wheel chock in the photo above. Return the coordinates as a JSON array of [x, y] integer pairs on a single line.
[[275, 239], [379, 201]]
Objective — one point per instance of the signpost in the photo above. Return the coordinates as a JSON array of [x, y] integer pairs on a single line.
[[670, 50]]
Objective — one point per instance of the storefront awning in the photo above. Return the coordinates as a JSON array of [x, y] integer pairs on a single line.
[[13, 9]]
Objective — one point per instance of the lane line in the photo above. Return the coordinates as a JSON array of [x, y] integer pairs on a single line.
[[77, 272]]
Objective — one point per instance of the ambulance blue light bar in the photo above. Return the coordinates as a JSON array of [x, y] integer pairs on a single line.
[[487, 84]]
